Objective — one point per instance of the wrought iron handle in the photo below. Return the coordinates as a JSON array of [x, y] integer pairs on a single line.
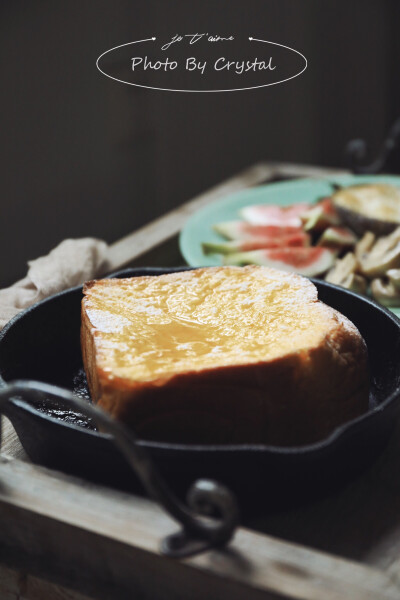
[[356, 152], [200, 531]]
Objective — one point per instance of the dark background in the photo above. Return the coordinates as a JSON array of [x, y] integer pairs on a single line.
[[82, 155]]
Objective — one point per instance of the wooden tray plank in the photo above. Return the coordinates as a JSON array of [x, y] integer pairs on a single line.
[[19, 585], [10, 443], [11, 584], [105, 543]]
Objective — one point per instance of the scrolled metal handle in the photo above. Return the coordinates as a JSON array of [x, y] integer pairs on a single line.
[[202, 529], [357, 150]]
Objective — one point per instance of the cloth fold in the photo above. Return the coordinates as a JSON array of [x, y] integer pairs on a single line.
[[71, 263]]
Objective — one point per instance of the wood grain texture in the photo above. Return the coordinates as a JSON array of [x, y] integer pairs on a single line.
[[11, 584], [19, 585], [105, 543], [10, 443]]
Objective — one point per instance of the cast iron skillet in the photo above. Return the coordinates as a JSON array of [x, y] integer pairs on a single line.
[[42, 344]]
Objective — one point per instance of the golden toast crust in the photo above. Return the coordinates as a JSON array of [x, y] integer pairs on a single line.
[[291, 399]]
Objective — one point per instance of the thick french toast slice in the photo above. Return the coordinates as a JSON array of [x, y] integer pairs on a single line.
[[222, 355]]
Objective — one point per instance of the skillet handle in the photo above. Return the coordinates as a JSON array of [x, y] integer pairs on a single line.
[[199, 531]]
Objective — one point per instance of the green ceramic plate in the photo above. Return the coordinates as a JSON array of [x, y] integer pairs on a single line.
[[198, 229]]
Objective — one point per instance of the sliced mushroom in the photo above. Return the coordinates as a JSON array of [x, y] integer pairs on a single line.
[[394, 277], [342, 269], [355, 283], [384, 255], [365, 244], [384, 292], [343, 274]]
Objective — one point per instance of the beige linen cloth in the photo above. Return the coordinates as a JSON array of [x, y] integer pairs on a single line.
[[71, 263]]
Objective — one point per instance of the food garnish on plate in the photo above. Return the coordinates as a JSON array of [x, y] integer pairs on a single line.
[[353, 239]]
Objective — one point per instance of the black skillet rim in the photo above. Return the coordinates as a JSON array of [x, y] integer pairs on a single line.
[[307, 450]]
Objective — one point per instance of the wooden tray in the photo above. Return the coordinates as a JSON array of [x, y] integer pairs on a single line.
[[63, 538]]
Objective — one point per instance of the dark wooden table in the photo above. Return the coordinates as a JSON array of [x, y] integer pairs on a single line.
[[64, 538]]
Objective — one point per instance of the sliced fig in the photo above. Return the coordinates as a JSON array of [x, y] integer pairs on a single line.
[[369, 207], [384, 255], [306, 261], [273, 215], [384, 292], [288, 241], [320, 216], [240, 230], [337, 238]]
